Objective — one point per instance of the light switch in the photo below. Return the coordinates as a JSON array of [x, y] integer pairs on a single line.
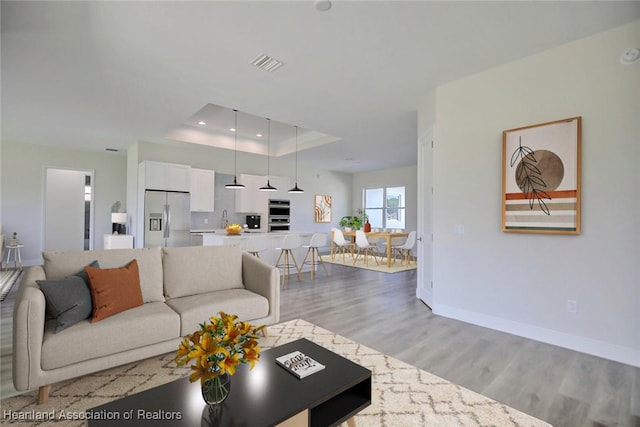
[[458, 229]]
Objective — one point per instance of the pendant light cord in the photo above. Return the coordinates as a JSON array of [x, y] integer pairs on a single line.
[[235, 146], [268, 150], [296, 155]]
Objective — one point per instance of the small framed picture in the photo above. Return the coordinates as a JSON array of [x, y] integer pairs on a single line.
[[322, 208]]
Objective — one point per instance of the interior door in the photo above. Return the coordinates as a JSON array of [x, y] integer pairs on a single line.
[[64, 210], [424, 289]]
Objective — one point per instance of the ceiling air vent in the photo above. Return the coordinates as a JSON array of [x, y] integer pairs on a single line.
[[267, 63]]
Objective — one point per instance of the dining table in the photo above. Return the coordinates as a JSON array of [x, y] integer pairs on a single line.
[[387, 235]]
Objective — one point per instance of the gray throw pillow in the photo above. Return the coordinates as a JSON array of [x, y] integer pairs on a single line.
[[83, 273], [68, 299]]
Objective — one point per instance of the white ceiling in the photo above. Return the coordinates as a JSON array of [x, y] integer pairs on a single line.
[[92, 75]]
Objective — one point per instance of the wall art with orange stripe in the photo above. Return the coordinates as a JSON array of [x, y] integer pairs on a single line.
[[541, 177], [322, 208]]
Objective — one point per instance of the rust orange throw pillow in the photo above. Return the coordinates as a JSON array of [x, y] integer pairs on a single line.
[[114, 290]]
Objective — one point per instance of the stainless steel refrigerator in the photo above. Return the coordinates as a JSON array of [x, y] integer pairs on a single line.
[[167, 218]]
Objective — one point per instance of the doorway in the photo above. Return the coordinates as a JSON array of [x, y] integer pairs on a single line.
[[425, 289], [68, 209]]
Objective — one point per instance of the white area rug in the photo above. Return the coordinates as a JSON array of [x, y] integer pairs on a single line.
[[402, 395], [382, 266]]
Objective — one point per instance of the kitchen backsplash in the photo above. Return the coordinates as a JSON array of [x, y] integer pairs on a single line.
[[225, 200]]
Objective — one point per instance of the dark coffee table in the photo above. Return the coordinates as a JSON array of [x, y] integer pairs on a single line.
[[268, 395]]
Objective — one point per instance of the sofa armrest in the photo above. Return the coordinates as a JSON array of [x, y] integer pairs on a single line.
[[263, 279], [28, 329]]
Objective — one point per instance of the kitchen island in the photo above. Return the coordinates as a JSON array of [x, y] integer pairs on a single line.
[[273, 241]]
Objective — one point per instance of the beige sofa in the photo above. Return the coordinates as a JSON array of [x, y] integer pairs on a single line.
[[181, 287], [1, 246]]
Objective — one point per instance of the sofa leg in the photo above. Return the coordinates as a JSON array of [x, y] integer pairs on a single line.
[[43, 394], [264, 332]]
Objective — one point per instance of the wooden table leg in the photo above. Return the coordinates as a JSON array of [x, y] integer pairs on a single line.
[[388, 251], [333, 246], [351, 422]]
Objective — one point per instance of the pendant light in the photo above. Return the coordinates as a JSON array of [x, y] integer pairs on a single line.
[[236, 185], [296, 189], [268, 187]]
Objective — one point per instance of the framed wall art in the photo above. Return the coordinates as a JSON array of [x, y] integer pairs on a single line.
[[541, 178], [322, 208]]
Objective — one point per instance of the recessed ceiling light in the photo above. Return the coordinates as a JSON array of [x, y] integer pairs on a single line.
[[323, 5], [259, 135], [201, 123], [232, 129]]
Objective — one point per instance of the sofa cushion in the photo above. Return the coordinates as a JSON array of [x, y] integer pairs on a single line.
[[145, 325], [196, 309], [58, 265], [200, 269], [114, 290], [68, 300]]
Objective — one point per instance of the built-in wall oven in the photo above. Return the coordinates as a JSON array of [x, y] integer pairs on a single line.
[[279, 215]]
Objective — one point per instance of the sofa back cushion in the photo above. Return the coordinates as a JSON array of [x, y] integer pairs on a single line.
[[58, 265], [198, 269]]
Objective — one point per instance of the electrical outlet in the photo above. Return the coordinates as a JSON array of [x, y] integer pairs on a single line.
[[572, 306], [206, 220]]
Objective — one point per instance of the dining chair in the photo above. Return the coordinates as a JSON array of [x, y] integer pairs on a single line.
[[380, 246], [318, 240], [341, 244], [364, 248], [404, 250]]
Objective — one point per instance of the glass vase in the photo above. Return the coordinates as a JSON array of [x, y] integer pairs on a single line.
[[216, 390]]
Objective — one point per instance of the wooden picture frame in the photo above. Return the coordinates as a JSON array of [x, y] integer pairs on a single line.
[[322, 208], [541, 178]]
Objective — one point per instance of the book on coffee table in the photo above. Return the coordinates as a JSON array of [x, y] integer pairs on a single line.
[[299, 364]]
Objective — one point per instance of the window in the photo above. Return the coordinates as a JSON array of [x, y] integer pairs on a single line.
[[385, 207]]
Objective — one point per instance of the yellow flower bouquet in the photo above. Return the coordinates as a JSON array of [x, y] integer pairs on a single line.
[[216, 349]]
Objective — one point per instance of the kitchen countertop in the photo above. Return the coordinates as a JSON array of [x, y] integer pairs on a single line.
[[223, 233]]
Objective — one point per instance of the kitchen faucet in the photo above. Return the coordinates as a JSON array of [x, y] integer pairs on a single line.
[[225, 220]]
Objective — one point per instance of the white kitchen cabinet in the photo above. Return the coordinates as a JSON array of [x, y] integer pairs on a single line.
[[203, 182], [251, 199], [165, 176]]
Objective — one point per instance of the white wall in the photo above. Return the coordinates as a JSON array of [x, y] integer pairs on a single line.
[[520, 283], [22, 170], [394, 177]]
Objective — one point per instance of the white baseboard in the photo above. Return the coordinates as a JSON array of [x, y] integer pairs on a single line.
[[602, 349]]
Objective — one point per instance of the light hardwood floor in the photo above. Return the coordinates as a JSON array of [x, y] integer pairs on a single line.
[[562, 387]]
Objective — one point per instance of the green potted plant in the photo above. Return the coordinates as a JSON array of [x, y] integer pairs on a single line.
[[356, 221], [346, 223], [353, 221]]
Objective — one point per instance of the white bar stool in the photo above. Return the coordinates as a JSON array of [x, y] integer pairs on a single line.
[[289, 243], [255, 245], [318, 240]]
